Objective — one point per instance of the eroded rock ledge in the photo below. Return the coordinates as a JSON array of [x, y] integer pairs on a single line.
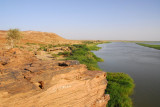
[[26, 81]]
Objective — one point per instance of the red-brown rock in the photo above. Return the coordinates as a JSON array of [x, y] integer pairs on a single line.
[[26, 81]]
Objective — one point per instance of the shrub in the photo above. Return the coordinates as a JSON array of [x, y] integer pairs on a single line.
[[120, 86], [13, 36]]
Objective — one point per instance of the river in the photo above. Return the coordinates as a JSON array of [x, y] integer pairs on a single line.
[[141, 63]]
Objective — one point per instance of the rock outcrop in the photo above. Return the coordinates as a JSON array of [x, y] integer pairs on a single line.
[[26, 81]]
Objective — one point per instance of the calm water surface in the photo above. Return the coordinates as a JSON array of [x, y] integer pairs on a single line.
[[141, 63]]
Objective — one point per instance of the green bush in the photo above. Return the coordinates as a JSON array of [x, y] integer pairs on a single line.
[[93, 47], [120, 87], [13, 36]]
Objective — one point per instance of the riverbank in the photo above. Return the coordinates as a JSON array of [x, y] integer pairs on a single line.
[[83, 54], [150, 46], [119, 90], [139, 62], [120, 85]]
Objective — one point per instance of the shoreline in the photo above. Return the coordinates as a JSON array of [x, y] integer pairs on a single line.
[[150, 46], [120, 87]]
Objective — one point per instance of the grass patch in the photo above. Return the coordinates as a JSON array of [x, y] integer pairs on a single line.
[[120, 87], [150, 46], [84, 56], [30, 44], [66, 53], [43, 47], [55, 55]]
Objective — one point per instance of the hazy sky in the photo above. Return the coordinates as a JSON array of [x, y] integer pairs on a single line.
[[85, 19]]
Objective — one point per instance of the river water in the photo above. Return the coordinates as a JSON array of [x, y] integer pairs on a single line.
[[141, 63]]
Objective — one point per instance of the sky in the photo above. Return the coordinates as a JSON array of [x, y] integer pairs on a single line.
[[85, 19]]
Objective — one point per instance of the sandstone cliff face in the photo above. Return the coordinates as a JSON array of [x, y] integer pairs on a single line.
[[26, 81]]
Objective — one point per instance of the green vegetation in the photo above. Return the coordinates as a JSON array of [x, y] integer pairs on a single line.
[[150, 46], [84, 56], [43, 47], [80, 52], [120, 86], [13, 36], [30, 44], [66, 53], [55, 55]]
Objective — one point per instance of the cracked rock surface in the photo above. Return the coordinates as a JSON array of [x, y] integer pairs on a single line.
[[26, 81]]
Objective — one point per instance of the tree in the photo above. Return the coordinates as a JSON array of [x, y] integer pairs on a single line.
[[13, 36]]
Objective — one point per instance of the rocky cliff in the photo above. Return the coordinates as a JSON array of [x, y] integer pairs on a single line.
[[26, 81]]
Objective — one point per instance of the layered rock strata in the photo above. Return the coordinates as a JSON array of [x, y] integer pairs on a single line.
[[26, 81]]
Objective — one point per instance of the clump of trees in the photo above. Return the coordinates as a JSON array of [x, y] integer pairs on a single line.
[[13, 37]]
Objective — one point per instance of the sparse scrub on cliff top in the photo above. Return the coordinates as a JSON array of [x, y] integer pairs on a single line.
[[120, 86], [13, 36]]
